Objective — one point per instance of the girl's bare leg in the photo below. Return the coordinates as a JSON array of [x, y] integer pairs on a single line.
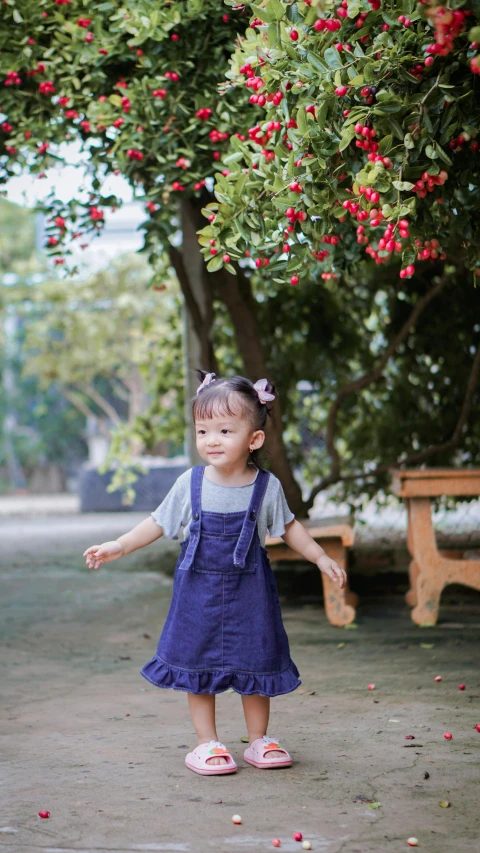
[[257, 712], [202, 712]]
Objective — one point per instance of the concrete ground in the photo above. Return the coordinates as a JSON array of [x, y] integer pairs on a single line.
[[84, 736]]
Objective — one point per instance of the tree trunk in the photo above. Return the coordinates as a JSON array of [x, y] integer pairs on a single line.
[[235, 292]]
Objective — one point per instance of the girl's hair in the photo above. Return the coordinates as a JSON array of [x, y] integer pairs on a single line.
[[235, 397]]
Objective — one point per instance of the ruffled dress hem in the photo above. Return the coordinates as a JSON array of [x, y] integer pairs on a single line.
[[162, 674]]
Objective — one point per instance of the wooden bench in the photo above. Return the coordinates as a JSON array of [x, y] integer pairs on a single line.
[[430, 569], [335, 536]]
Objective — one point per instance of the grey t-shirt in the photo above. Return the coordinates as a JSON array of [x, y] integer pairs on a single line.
[[175, 511]]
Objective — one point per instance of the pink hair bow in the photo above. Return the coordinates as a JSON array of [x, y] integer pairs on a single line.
[[263, 395], [209, 378]]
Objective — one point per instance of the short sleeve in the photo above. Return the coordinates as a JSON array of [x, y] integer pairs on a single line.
[[279, 513], [175, 510]]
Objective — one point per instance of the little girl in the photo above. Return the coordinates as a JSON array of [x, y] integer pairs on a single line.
[[224, 627]]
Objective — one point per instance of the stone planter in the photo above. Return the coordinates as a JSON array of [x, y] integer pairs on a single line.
[[150, 488]]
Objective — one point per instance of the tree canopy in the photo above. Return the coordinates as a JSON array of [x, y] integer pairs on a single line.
[[332, 148]]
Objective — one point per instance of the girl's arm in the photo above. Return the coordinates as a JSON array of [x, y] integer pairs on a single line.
[[298, 539], [143, 534]]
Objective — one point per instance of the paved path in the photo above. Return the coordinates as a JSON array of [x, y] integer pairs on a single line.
[[84, 736]]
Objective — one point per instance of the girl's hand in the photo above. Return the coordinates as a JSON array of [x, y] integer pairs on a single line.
[[98, 554], [332, 569]]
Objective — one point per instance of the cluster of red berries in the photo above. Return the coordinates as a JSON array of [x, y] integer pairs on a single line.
[[459, 141], [253, 82], [40, 69], [96, 215], [269, 155], [84, 22], [199, 186], [118, 122], [295, 187], [353, 207], [46, 88], [172, 75], [218, 136], [151, 206], [6, 127], [254, 135], [330, 24], [448, 25], [428, 183], [177, 186], [134, 154], [182, 163], [293, 215], [11, 149], [368, 133], [204, 113], [262, 262], [159, 93], [320, 255], [43, 147], [126, 104], [429, 250], [12, 79], [369, 93], [331, 239]]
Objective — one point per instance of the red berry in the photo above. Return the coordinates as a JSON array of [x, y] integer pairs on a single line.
[[297, 836], [371, 687], [341, 91], [461, 686], [294, 279], [477, 727], [226, 259], [294, 35], [44, 814], [276, 842], [448, 736]]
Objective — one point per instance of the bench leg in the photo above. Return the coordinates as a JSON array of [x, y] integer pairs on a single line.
[[426, 610], [339, 603], [411, 595]]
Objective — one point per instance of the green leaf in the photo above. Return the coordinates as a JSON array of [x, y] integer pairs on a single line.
[[261, 12], [474, 34], [302, 121], [215, 263], [275, 8], [17, 17], [315, 62], [332, 57], [322, 113]]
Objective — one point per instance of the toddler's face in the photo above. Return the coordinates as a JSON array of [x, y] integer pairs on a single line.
[[225, 440]]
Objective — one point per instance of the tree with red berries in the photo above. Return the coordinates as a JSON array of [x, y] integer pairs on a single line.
[[347, 158]]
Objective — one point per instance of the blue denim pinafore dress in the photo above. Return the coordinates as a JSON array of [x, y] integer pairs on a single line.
[[224, 627]]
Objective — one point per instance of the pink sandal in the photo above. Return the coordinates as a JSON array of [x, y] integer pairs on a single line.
[[198, 759], [257, 753]]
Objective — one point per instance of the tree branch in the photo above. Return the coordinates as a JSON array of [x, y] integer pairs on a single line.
[[367, 379], [76, 400], [103, 404], [422, 455], [199, 323]]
